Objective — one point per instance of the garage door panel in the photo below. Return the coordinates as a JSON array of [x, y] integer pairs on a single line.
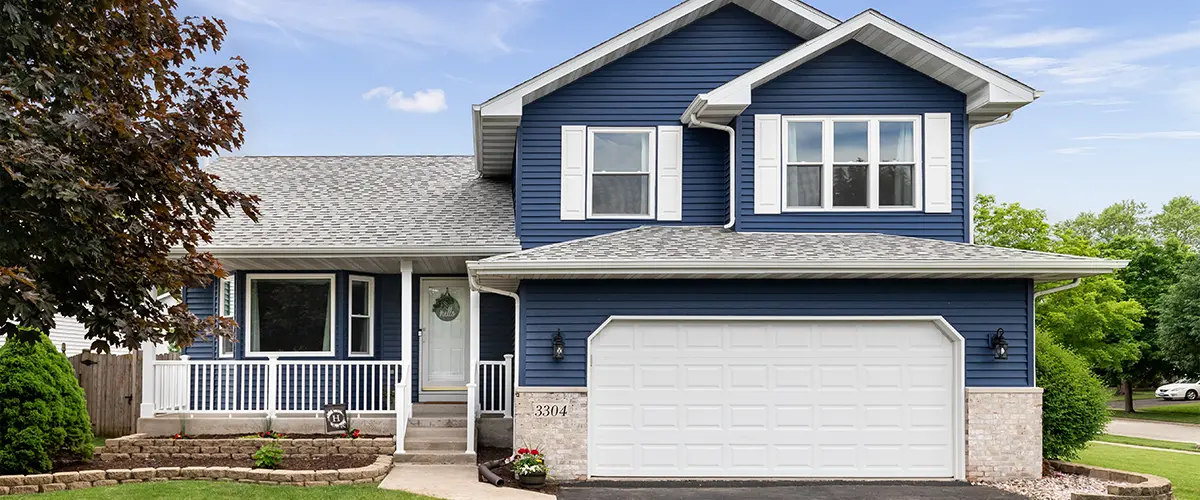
[[773, 399]]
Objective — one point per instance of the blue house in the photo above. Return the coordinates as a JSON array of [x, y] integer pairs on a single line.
[[732, 241]]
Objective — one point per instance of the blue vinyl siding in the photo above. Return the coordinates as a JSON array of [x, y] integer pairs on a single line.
[[203, 303], [649, 87], [855, 80], [976, 308]]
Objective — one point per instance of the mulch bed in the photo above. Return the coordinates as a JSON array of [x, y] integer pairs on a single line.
[[288, 436], [288, 463], [510, 480]]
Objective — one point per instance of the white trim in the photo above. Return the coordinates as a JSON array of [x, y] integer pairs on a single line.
[[970, 171], [332, 352], [406, 329], [651, 173], [450, 393], [670, 173], [267, 252], [224, 298], [1004, 390], [948, 330], [873, 162], [370, 281], [552, 389], [603, 266]]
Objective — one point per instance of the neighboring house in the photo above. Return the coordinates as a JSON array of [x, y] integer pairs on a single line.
[[733, 241], [69, 336]]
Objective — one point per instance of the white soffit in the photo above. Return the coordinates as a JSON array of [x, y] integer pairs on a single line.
[[989, 93], [496, 120]]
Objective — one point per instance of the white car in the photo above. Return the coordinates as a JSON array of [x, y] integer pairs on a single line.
[[1188, 388]]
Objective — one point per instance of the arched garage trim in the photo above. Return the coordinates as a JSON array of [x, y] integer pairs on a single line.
[[958, 419]]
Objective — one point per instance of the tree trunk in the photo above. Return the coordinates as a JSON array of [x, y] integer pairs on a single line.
[[1127, 388]]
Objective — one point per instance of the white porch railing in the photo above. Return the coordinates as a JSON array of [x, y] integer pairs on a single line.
[[496, 386], [272, 386]]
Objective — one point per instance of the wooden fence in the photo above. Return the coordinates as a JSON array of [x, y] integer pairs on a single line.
[[113, 387]]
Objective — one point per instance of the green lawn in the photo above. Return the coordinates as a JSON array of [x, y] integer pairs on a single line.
[[1185, 413], [98, 441], [187, 490], [1180, 468], [1137, 395], [1152, 443]]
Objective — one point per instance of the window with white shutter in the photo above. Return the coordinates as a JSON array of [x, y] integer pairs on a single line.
[[225, 308], [938, 186]]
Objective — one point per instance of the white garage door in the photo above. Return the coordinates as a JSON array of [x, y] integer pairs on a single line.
[[775, 398]]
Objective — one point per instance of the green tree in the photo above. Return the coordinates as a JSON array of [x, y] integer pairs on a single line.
[[43, 414], [1179, 321], [1010, 225], [106, 115], [1125, 218], [1179, 219]]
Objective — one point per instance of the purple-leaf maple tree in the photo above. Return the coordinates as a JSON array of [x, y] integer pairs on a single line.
[[103, 201]]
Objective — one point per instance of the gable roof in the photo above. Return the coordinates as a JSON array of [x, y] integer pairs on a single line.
[[496, 120], [990, 94], [652, 252], [365, 205]]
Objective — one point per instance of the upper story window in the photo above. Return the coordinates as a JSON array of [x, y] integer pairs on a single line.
[[362, 316], [851, 163], [621, 172], [289, 315]]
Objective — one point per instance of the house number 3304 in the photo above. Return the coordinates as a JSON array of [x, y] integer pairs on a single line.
[[550, 410]]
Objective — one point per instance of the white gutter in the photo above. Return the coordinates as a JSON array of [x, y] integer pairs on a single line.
[[516, 331], [1068, 286], [364, 252], [695, 122], [970, 201], [709, 267]]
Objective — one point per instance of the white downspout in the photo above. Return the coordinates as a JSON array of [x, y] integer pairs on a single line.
[[1033, 351], [695, 122], [516, 336], [1068, 286], [970, 201]]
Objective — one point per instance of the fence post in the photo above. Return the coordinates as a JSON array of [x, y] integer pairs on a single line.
[[272, 385], [187, 382], [148, 388], [507, 398]]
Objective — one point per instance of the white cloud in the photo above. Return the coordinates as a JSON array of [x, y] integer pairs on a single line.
[[1123, 64], [412, 27], [1188, 95], [1085, 150], [1044, 37], [1101, 101], [422, 101], [1024, 64], [1186, 135]]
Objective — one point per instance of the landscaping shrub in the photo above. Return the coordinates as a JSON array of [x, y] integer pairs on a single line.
[[1075, 402], [269, 456], [43, 413]]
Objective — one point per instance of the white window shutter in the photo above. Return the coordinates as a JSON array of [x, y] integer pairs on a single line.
[[225, 298], [573, 202], [768, 149], [938, 189], [670, 172]]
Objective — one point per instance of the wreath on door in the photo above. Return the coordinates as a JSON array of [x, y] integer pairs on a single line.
[[446, 307]]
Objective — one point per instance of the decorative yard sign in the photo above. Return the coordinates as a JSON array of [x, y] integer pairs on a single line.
[[335, 418]]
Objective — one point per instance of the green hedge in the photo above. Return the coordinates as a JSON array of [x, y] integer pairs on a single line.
[[1075, 403], [43, 413]]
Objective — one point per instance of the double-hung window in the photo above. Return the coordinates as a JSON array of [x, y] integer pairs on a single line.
[[225, 306], [290, 315], [362, 316], [621, 172], [851, 163]]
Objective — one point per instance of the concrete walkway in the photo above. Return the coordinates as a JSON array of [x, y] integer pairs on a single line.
[[451, 482], [1148, 429]]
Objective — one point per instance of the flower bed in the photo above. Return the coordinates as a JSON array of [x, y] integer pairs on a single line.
[[74, 480], [138, 446], [1135, 485]]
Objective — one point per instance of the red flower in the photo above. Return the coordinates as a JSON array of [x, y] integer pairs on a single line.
[[523, 450], [533, 452]]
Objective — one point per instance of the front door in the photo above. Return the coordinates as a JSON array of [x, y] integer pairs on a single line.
[[445, 332]]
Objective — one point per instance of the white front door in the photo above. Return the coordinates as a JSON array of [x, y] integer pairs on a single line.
[[445, 332], [774, 398]]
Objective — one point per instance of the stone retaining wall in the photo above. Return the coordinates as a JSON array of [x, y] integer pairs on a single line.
[[59, 481], [1141, 486], [140, 446]]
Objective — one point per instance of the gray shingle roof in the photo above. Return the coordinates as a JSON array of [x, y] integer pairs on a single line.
[[716, 244], [365, 202]]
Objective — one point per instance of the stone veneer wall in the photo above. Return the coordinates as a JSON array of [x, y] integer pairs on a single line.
[[59, 481], [1004, 433], [139, 446], [563, 438]]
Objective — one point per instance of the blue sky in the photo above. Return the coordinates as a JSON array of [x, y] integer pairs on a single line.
[[1120, 118]]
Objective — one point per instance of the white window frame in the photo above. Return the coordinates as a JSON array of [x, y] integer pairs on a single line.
[[873, 163], [225, 300], [652, 171], [332, 352], [370, 281]]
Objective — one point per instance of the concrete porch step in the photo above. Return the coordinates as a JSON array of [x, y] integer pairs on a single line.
[[430, 457], [439, 410], [436, 432], [442, 422], [435, 444]]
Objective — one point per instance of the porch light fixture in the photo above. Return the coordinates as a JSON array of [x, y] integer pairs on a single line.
[[559, 348], [999, 344]]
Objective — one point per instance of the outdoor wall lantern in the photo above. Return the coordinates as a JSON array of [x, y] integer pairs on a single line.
[[1000, 344], [559, 348]]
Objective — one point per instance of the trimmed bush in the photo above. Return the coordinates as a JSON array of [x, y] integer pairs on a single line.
[[1075, 403], [43, 413]]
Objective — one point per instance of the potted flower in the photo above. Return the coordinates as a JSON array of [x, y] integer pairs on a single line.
[[530, 467]]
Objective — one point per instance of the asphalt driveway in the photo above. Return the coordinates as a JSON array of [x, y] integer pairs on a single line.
[[824, 490]]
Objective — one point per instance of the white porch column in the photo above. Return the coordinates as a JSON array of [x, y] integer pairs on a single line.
[[148, 390], [407, 303], [473, 385]]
